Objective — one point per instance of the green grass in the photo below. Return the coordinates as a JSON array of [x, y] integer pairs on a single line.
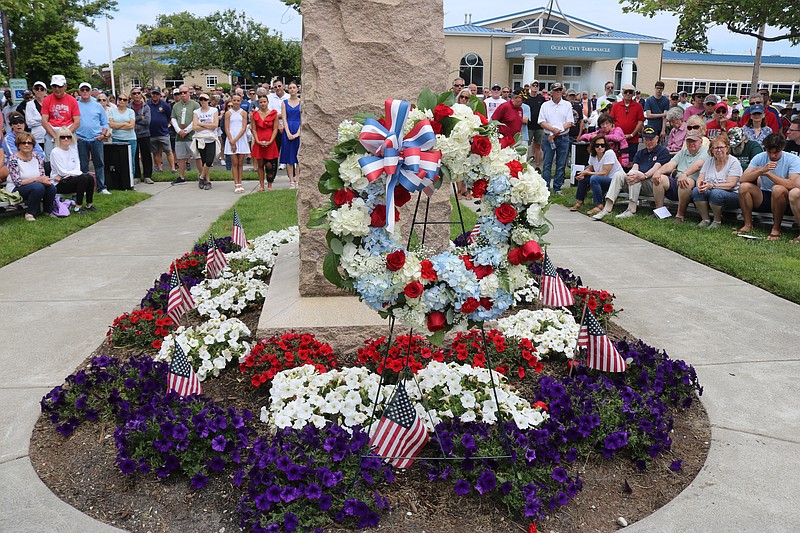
[[21, 238], [468, 216], [260, 213], [773, 266], [216, 175]]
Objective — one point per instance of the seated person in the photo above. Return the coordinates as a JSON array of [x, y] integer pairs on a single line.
[[603, 164], [677, 133], [66, 171], [766, 184], [17, 124], [614, 136], [696, 123], [676, 179], [26, 172], [646, 164], [742, 146], [718, 183], [720, 122]]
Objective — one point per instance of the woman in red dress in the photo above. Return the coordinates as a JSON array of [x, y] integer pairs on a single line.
[[265, 152]]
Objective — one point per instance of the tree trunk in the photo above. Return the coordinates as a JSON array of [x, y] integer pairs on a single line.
[[7, 43], [757, 62]]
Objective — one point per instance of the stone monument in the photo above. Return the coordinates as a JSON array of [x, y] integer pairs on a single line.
[[356, 53]]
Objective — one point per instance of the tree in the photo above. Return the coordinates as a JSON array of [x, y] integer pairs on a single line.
[[140, 63], [174, 28]]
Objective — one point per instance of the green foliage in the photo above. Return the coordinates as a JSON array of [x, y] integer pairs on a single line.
[[260, 213], [139, 62]]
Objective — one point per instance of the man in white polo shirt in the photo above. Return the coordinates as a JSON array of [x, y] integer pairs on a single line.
[[556, 118]]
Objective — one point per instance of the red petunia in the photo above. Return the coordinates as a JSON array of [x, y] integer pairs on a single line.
[[592, 304], [608, 308]]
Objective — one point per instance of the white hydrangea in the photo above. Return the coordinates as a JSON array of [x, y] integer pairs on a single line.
[[351, 173], [552, 331], [348, 130], [209, 347], [350, 219]]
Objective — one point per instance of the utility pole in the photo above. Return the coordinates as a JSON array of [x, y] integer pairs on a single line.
[[757, 62], [7, 43]]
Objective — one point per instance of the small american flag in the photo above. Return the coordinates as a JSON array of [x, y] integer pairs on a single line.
[[400, 434], [182, 378], [601, 353], [554, 292], [473, 235], [215, 259], [237, 232], [180, 299]]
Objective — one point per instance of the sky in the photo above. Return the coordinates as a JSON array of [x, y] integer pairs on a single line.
[[276, 16]]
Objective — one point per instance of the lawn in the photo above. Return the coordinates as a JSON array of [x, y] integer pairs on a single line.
[[21, 238], [217, 174], [259, 213], [773, 266]]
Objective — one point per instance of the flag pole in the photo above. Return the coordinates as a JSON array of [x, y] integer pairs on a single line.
[[541, 276], [577, 348]]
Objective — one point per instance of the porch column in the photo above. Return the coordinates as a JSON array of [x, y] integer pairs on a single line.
[[627, 71], [529, 68]]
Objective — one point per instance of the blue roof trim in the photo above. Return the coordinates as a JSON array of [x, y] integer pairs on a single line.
[[539, 10], [616, 34], [669, 55], [472, 28]]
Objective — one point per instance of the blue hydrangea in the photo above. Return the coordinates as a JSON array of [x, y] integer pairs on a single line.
[[452, 270], [497, 190], [375, 194], [375, 290], [489, 255], [379, 241], [495, 232], [436, 297]]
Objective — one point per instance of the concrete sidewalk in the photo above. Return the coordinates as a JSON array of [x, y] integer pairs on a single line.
[[55, 308], [744, 343]]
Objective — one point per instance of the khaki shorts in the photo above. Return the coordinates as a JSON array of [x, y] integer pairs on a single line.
[[158, 144], [185, 150]]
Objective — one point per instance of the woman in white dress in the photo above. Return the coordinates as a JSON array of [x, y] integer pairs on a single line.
[[236, 144]]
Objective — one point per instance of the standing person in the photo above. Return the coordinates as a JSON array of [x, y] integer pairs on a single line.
[[696, 108], [236, 142], [510, 116], [629, 116], [122, 123], [102, 99], [655, 110], [494, 101], [276, 99], [67, 174], [577, 116], [92, 133], [26, 173], [458, 85], [265, 150], [609, 97], [206, 122], [160, 113], [141, 115], [535, 131], [683, 100], [33, 113], [556, 118], [290, 114], [58, 109], [182, 118]]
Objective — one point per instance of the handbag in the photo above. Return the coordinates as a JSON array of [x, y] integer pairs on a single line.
[[61, 207]]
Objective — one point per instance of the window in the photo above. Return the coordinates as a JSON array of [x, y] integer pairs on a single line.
[[538, 26], [618, 75], [212, 81], [691, 86], [744, 89], [571, 71], [547, 70], [517, 69], [781, 88], [572, 85], [171, 84], [135, 83], [471, 70], [718, 87]]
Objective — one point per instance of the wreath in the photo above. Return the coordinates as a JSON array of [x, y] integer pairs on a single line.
[[378, 163]]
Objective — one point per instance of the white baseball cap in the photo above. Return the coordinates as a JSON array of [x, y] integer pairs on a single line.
[[59, 80]]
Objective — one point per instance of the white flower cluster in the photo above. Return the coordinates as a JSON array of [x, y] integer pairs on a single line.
[[352, 219], [210, 346], [454, 390], [552, 331], [301, 396], [351, 173], [414, 116], [264, 249], [348, 130], [230, 293]]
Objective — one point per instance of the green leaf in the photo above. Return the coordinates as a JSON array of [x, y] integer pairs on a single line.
[[332, 168], [437, 338], [447, 98], [426, 99], [318, 218], [478, 105], [330, 268], [362, 117], [346, 148], [321, 183], [334, 183], [336, 246]]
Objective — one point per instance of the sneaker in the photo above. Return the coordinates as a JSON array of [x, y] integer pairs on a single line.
[[200, 182], [207, 186], [282, 167], [80, 211], [91, 208], [704, 224], [626, 214], [149, 181], [105, 191], [715, 224], [136, 181], [178, 181], [30, 218], [601, 214], [558, 193]]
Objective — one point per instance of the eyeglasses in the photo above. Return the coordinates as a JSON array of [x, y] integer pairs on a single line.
[[184, 92], [506, 91], [692, 127], [719, 148], [610, 88], [121, 99], [467, 97], [84, 89], [790, 129], [102, 100], [63, 137], [721, 112], [627, 92], [26, 143], [203, 99], [458, 85], [39, 88], [136, 93]]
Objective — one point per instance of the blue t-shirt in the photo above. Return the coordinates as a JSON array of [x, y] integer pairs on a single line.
[[160, 115], [119, 116], [657, 106], [93, 120], [646, 160], [787, 164]]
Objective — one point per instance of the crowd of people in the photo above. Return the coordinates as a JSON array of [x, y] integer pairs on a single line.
[[700, 148], [55, 143]]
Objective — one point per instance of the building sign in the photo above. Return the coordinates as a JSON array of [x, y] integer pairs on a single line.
[[575, 48]]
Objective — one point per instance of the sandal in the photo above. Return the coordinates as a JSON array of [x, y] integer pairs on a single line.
[[594, 210], [774, 237], [238, 189], [796, 240], [577, 205]]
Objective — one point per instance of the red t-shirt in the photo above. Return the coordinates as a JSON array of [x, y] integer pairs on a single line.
[[713, 128], [60, 110], [627, 117], [510, 118]]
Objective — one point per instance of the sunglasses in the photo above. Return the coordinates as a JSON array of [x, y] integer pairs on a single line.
[[121, 99], [63, 137], [184, 92], [627, 92], [84, 89], [20, 122], [39, 88], [102, 100], [600, 145], [26, 143], [721, 112], [204, 99], [57, 86], [458, 85], [135, 94], [464, 96], [692, 127], [277, 87]]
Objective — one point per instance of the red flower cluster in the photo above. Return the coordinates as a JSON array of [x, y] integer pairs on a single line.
[[344, 196], [469, 348], [515, 167], [270, 356], [601, 303], [505, 213], [479, 188], [141, 328], [378, 216], [530, 251], [415, 349], [481, 145], [441, 111], [190, 264]]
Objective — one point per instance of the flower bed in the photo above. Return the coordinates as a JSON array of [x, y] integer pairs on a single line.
[[270, 356], [230, 293]]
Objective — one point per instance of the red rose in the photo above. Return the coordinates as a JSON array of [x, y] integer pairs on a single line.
[[467, 262], [343, 196], [481, 145], [378, 216], [505, 214], [515, 167], [437, 128], [506, 141], [531, 251], [436, 321], [428, 271], [515, 256], [481, 271], [470, 305], [484, 120], [413, 289], [479, 188], [486, 303], [396, 260], [401, 196], [441, 111]]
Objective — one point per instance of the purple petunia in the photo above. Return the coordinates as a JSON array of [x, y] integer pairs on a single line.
[[199, 481], [462, 487], [127, 466], [290, 522], [218, 443], [676, 465], [560, 475], [486, 482], [216, 464], [313, 491]]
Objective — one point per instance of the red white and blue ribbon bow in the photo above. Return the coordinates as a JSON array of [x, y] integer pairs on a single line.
[[409, 161]]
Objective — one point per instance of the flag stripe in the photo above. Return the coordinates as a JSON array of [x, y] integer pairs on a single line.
[[554, 293], [400, 434], [601, 354]]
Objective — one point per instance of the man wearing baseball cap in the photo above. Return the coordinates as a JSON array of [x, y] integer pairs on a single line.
[[720, 122], [92, 133], [676, 179], [494, 102], [556, 118], [510, 116], [59, 109]]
